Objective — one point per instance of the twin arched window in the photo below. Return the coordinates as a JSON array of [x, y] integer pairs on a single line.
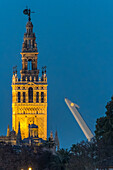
[[30, 96], [19, 97]]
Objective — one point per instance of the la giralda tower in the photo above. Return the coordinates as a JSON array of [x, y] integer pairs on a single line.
[[29, 94]]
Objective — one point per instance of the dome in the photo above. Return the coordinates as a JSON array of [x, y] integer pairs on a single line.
[[33, 126]]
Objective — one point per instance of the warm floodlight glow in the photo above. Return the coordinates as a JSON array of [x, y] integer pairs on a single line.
[[28, 98], [30, 169]]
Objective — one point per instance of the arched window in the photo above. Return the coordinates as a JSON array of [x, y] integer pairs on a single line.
[[29, 43], [25, 43], [31, 133], [30, 94], [29, 65], [35, 133], [42, 97], [24, 97], [19, 97], [33, 43], [37, 97]]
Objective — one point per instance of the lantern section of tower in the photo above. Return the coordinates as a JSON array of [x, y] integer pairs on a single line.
[[29, 94]]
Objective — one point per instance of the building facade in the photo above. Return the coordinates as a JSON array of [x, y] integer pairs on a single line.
[[29, 94]]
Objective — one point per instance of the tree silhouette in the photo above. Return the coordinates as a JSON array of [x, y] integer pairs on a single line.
[[104, 125]]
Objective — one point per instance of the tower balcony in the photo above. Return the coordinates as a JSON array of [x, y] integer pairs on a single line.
[[25, 49], [31, 35], [24, 82], [29, 72]]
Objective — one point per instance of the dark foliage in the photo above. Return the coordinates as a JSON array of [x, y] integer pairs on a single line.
[[39, 158], [83, 156], [104, 125]]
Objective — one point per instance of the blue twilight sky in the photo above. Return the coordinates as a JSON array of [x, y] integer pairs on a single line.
[[75, 42]]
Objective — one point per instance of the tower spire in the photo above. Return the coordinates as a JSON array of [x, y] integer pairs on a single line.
[[19, 139], [51, 136], [8, 131], [57, 141]]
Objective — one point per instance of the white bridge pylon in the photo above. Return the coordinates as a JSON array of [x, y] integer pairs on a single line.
[[74, 109]]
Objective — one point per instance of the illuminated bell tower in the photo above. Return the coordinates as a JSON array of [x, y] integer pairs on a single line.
[[29, 94]]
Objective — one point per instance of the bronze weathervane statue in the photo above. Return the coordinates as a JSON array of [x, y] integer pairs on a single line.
[[28, 12]]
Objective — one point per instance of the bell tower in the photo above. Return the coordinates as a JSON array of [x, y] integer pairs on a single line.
[[29, 55], [29, 93]]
